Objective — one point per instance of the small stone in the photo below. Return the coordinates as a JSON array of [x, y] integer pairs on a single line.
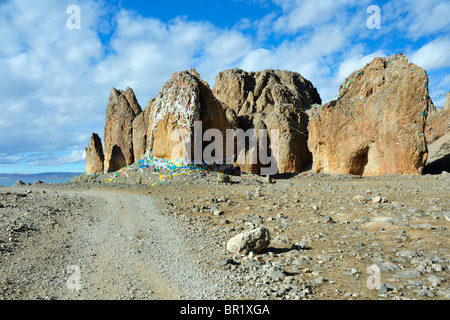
[[426, 293], [388, 266], [324, 257], [407, 254], [223, 178], [348, 294], [226, 262], [386, 287], [318, 280], [422, 226], [299, 246], [376, 200], [435, 281], [281, 238], [328, 219], [302, 261], [407, 274], [358, 198], [275, 274]]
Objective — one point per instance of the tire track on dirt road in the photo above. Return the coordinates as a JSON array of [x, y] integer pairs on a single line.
[[131, 251]]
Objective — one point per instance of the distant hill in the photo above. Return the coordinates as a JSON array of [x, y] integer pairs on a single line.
[[41, 176]]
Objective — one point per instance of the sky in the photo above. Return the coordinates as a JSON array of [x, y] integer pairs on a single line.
[[59, 65]]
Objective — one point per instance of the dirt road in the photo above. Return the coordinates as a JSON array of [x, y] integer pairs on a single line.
[[124, 247], [114, 245]]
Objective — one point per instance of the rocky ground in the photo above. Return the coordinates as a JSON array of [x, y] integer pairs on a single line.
[[332, 237]]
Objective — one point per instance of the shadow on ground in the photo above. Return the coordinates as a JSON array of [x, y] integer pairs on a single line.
[[283, 250], [438, 166]]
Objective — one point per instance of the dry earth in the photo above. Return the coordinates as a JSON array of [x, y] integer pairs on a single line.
[[166, 242]]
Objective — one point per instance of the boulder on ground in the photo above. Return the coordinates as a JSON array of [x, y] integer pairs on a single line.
[[251, 241]]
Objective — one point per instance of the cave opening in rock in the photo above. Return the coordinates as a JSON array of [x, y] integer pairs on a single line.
[[117, 160], [359, 162]]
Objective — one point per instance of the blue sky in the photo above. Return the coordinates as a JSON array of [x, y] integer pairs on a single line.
[[55, 82]]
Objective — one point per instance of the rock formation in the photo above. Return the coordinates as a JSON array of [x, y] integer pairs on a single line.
[[122, 109], [183, 100], [438, 138], [271, 99], [94, 155], [19, 183], [140, 134], [447, 102], [438, 122], [376, 126]]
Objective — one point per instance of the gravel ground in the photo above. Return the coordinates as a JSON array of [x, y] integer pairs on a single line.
[[332, 237], [97, 244]]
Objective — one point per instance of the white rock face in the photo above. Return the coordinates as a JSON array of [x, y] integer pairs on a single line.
[[251, 241]]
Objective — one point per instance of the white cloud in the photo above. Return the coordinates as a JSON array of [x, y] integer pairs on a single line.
[[56, 160], [305, 50], [46, 71], [298, 14], [148, 51], [429, 17], [313, 55], [44, 159], [416, 18]]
